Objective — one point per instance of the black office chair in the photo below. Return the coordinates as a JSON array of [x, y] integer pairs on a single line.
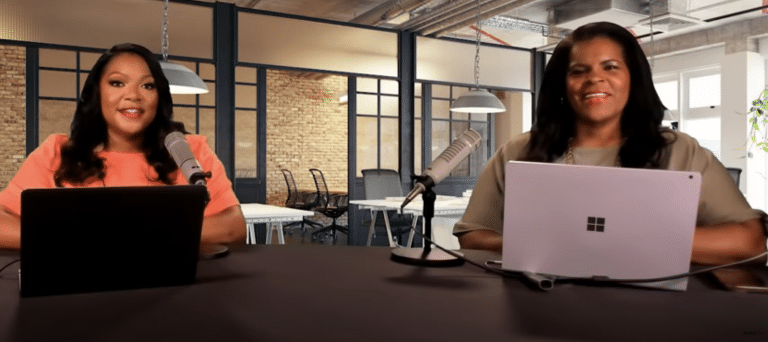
[[380, 184], [299, 200], [735, 174], [332, 206]]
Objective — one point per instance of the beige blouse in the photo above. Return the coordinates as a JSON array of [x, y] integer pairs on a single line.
[[720, 200]]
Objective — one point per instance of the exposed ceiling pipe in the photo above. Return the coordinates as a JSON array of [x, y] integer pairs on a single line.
[[248, 3], [489, 36], [438, 13], [386, 11], [486, 11], [467, 6]]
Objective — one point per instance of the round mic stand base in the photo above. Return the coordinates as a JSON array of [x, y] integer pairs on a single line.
[[426, 256], [423, 257], [213, 251]]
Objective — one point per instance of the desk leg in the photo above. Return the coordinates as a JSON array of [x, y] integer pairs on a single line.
[[389, 230], [250, 236], [374, 213], [280, 236], [413, 228], [269, 234]]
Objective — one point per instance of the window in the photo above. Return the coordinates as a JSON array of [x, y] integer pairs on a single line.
[[62, 73], [245, 122], [700, 111], [704, 91], [377, 124], [198, 112], [668, 93], [448, 125]]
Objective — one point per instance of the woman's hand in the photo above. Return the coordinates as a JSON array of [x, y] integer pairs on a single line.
[[481, 239], [10, 229], [225, 227], [728, 242]]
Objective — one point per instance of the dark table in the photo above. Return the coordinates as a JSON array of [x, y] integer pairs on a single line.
[[324, 293]]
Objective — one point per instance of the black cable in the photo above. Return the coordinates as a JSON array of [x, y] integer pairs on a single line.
[[553, 279], [459, 256], [735, 14], [674, 276], [9, 264]]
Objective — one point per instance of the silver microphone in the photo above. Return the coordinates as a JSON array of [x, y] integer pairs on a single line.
[[179, 149], [443, 165]]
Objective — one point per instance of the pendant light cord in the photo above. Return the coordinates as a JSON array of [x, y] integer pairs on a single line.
[[477, 47], [164, 45]]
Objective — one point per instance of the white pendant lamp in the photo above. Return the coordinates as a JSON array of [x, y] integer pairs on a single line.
[[477, 100], [180, 79]]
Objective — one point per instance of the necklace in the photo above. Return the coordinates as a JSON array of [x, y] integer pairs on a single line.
[[570, 160]]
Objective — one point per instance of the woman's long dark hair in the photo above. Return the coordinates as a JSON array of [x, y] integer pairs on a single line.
[[88, 130], [640, 123]]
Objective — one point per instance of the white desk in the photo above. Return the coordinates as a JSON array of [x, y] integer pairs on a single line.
[[445, 206], [273, 216]]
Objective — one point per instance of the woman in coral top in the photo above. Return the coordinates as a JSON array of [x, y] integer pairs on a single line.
[[116, 139]]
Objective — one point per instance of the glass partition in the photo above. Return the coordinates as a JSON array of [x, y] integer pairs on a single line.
[[308, 44], [451, 61], [190, 27]]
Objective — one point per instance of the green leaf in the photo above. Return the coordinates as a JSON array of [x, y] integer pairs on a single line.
[[765, 148], [754, 125], [753, 138]]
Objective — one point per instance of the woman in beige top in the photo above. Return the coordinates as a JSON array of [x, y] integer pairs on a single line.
[[598, 106]]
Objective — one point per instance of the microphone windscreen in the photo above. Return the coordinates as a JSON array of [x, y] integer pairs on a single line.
[[179, 149], [458, 150]]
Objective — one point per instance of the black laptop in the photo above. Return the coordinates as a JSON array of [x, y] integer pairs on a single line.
[[76, 240]]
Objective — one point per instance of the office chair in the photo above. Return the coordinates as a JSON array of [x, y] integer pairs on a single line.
[[735, 174], [299, 200], [380, 184], [332, 206]]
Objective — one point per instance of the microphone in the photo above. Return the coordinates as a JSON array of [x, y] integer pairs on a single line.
[[443, 165], [178, 148]]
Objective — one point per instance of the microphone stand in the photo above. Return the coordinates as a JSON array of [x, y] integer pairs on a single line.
[[425, 256]]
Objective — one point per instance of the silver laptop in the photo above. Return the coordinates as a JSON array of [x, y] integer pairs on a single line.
[[585, 221]]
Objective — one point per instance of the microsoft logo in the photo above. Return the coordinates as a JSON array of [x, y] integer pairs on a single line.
[[596, 224]]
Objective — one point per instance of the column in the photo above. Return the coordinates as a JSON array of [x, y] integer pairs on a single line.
[[743, 78]]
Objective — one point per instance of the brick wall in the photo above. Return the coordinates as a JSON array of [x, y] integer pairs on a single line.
[[12, 110], [306, 128]]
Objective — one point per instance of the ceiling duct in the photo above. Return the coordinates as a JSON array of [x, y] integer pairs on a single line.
[[386, 11], [516, 24], [573, 14], [669, 15]]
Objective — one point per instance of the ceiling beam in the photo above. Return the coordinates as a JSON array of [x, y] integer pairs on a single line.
[[735, 35]]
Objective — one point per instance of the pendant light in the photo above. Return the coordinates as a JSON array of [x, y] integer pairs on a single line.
[[180, 79], [477, 100]]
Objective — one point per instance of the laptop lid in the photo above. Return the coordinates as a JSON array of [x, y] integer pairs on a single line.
[[109, 238], [584, 221]]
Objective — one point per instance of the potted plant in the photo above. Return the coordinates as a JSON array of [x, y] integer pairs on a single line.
[[758, 133]]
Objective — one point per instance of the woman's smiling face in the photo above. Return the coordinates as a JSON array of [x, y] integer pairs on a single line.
[[128, 97], [597, 81]]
